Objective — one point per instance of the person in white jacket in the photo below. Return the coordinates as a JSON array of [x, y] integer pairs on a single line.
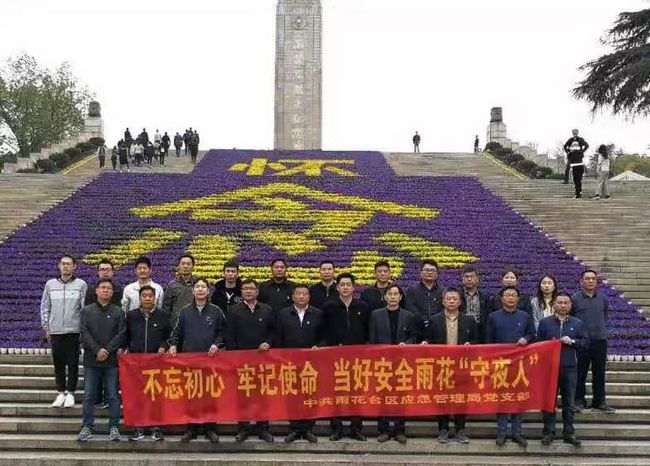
[[61, 305], [603, 167], [131, 294]]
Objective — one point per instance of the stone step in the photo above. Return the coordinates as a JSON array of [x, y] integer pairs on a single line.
[[636, 416], [90, 458], [201, 453], [485, 429]]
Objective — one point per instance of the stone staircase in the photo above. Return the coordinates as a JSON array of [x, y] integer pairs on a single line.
[[31, 432], [611, 236]]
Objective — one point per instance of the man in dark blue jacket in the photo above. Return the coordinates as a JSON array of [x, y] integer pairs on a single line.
[[147, 331], [425, 298], [201, 328], [571, 332], [510, 325]]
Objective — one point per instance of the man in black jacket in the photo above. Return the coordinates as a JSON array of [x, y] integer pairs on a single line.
[[102, 333], [392, 325], [575, 149], [425, 298], [346, 323], [374, 295], [200, 329], [250, 326], [326, 288], [179, 293], [277, 291], [227, 292], [147, 331], [452, 328], [474, 301], [300, 326]]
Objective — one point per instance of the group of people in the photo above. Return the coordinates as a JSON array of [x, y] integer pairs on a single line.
[[575, 148], [188, 315], [144, 151], [417, 138]]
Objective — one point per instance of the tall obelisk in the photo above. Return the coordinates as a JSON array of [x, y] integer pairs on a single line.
[[298, 75]]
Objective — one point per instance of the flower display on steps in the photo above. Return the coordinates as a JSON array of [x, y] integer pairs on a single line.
[[254, 206]]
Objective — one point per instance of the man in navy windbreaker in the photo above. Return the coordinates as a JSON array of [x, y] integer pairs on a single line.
[[571, 332]]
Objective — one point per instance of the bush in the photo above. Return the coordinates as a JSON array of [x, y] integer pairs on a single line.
[[502, 153], [96, 142], [28, 170], [492, 146], [513, 159], [526, 166], [543, 172], [84, 147], [46, 166], [72, 152], [61, 160]]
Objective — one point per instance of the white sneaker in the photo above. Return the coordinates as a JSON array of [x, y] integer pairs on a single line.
[[69, 400], [58, 402]]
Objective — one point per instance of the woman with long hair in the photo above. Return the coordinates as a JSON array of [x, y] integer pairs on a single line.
[[542, 304]]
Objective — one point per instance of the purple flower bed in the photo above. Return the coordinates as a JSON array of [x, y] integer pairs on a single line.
[[469, 219]]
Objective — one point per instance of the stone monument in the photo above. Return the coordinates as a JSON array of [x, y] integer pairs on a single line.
[[298, 75], [497, 130]]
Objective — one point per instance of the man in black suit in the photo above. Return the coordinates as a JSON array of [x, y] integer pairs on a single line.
[[300, 326], [451, 328], [346, 323], [392, 325], [474, 301]]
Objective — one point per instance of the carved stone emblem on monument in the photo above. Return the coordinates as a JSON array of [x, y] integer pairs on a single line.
[[94, 109], [299, 22]]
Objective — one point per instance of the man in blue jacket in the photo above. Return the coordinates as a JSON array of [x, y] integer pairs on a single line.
[[571, 332], [510, 325]]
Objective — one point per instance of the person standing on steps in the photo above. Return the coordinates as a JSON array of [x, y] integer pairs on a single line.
[[571, 332], [476, 145], [61, 305], [602, 173], [326, 287], [178, 143], [416, 143], [186, 140], [591, 306], [277, 291], [101, 155], [227, 291], [575, 149], [194, 146], [123, 153], [114, 153], [165, 142]]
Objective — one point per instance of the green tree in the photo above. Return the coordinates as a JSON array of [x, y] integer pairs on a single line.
[[620, 80], [39, 107]]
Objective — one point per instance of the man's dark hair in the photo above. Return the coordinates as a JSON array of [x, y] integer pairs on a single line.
[[248, 281], [105, 260], [507, 288], [104, 280], [187, 255], [231, 264], [381, 263], [343, 275], [326, 261], [470, 269], [450, 289], [563, 293], [301, 285], [68, 256], [582, 275], [145, 288], [428, 262], [143, 260], [278, 260], [201, 279]]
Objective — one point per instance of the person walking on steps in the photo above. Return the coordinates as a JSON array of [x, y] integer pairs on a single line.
[[416, 143], [602, 173], [575, 149]]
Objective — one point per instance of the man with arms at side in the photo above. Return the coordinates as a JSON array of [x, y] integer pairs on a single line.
[[131, 294], [277, 291], [227, 292], [425, 298], [326, 288], [178, 293]]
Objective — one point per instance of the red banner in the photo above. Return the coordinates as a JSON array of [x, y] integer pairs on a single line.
[[368, 381]]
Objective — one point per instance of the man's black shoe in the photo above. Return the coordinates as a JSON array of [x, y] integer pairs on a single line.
[[187, 436], [310, 437], [572, 440], [356, 435], [501, 440], [383, 437], [212, 436], [579, 407], [401, 438], [291, 437], [241, 436], [266, 436], [520, 440], [547, 439], [604, 409], [336, 436]]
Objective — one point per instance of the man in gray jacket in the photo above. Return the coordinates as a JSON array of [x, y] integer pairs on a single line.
[[61, 304]]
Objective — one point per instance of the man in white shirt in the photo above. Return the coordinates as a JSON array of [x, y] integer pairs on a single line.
[[131, 295]]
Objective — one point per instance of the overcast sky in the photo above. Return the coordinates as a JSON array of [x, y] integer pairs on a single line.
[[390, 67]]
